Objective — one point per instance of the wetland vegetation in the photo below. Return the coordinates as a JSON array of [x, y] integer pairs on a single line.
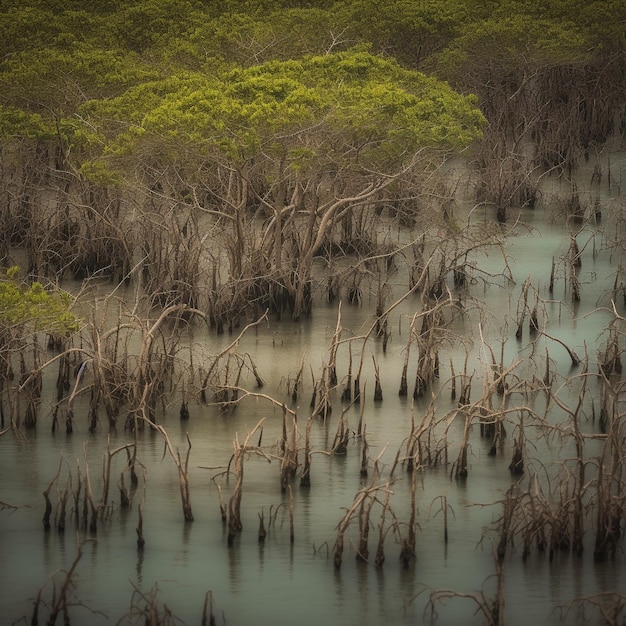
[[312, 311]]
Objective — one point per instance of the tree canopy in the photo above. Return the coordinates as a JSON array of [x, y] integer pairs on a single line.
[[32, 305], [316, 106], [297, 110], [58, 55]]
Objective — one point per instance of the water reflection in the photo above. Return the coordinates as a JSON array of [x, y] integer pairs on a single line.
[[139, 567], [280, 582], [235, 574]]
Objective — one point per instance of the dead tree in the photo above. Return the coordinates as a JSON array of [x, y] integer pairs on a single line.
[[181, 466], [360, 509], [234, 504]]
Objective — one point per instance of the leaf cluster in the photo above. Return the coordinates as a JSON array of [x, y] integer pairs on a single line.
[[349, 105], [34, 306], [112, 78]]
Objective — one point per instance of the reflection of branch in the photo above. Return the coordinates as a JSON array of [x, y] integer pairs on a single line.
[[60, 601], [492, 609], [14, 507], [610, 604]]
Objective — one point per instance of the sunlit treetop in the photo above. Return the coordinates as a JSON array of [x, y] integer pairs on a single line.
[[34, 306], [16, 122], [351, 103]]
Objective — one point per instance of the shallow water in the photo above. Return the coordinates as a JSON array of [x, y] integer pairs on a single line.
[[279, 582]]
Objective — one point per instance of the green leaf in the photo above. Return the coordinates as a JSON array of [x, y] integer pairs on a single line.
[[32, 305]]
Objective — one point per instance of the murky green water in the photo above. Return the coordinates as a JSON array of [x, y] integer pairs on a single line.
[[279, 582]]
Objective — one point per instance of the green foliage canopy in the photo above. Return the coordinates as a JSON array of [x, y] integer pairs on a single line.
[[234, 79], [34, 306], [349, 107]]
